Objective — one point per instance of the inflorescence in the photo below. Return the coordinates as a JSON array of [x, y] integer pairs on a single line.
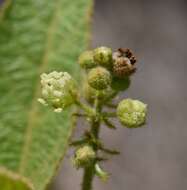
[[107, 74]]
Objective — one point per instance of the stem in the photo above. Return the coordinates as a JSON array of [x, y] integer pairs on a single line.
[[88, 178], [88, 110], [109, 114], [89, 172]]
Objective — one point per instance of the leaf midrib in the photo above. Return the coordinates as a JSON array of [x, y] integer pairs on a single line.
[[32, 116]]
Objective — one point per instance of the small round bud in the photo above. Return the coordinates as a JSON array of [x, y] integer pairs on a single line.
[[120, 84], [123, 63], [91, 93], [103, 56], [99, 78], [57, 89], [84, 156], [132, 113], [122, 67], [86, 60]]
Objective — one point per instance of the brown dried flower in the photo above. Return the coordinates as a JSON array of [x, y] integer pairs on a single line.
[[124, 63]]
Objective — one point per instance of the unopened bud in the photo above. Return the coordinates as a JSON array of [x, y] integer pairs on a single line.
[[91, 93], [132, 113], [86, 60], [99, 78], [84, 156], [103, 56]]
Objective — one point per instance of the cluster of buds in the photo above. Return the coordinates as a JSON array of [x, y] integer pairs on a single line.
[[107, 69], [58, 90], [98, 64], [108, 73]]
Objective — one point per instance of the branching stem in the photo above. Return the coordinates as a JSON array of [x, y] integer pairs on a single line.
[[89, 172], [87, 109]]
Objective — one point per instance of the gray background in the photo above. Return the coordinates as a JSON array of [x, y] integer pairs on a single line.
[[153, 157]]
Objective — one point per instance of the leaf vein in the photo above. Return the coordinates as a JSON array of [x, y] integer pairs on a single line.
[[32, 116]]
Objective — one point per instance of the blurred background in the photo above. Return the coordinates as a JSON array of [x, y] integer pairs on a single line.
[[153, 157]]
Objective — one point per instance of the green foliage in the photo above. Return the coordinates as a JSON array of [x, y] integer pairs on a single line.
[[36, 36], [10, 180]]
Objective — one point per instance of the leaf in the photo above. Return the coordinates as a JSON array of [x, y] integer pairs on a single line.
[[36, 36], [11, 180]]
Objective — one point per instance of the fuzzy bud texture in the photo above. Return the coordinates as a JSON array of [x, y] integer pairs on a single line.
[[57, 88], [132, 113], [99, 78], [91, 93], [103, 56], [84, 156], [86, 60], [123, 65]]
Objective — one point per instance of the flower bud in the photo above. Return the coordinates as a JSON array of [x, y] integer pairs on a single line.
[[84, 156], [91, 93], [99, 78], [103, 56], [123, 65], [57, 89], [132, 113], [86, 60]]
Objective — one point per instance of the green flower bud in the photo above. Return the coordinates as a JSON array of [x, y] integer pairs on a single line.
[[57, 89], [103, 56], [84, 156], [99, 78], [120, 84], [86, 60], [91, 93], [132, 113]]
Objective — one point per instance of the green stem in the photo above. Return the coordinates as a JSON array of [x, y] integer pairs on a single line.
[[109, 114], [89, 172], [88, 177], [87, 109]]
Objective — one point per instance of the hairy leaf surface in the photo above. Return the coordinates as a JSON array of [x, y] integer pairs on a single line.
[[36, 36]]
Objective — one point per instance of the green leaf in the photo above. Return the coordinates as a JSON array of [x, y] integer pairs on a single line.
[[10, 180], [36, 36]]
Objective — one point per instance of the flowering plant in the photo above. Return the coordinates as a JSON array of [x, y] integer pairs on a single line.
[[108, 74]]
